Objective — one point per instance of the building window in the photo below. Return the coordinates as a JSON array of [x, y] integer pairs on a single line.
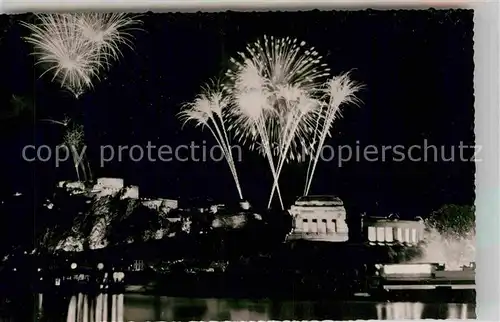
[[334, 225], [399, 234], [389, 234], [314, 226], [372, 234], [138, 265], [305, 225], [323, 226], [414, 236], [380, 234], [407, 235]]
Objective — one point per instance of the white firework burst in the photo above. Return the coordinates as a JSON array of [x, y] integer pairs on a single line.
[[76, 47], [108, 32], [209, 110], [274, 84]]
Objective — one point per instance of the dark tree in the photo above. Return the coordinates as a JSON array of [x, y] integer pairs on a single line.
[[453, 220]]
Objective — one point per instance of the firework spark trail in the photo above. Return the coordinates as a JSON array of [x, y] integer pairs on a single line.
[[76, 47], [267, 147], [313, 145], [64, 122], [208, 110], [340, 90], [302, 112], [74, 139], [251, 110], [280, 71]]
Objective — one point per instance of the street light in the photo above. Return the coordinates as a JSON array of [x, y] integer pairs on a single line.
[[73, 265]]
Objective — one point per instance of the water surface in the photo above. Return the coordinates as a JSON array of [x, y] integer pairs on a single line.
[[135, 307]]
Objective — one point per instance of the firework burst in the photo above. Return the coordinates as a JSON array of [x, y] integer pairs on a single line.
[[74, 140], [208, 110], [339, 91], [76, 47], [59, 45], [274, 84], [108, 32], [283, 61]]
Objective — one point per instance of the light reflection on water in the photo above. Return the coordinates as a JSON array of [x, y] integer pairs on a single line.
[[123, 308], [102, 308]]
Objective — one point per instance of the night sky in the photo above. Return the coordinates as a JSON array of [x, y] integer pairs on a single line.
[[417, 68]]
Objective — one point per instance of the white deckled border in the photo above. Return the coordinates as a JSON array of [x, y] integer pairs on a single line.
[[487, 103]]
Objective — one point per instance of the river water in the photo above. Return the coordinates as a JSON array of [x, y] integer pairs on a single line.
[[135, 307]]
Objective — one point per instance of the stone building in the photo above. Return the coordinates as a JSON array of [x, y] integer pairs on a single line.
[[391, 230], [112, 186], [73, 187], [108, 186], [319, 218], [160, 204], [131, 192]]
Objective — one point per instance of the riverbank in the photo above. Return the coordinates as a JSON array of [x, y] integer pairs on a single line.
[[300, 271]]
